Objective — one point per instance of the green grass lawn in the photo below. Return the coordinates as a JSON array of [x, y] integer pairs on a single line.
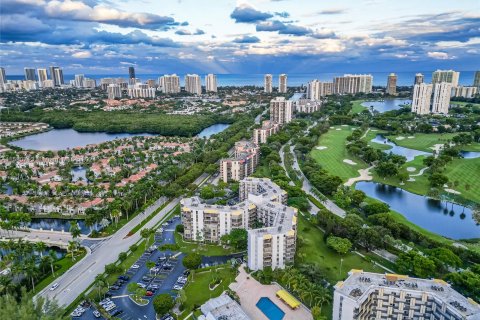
[[371, 134], [461, 103], [357, 106], [198, 291], [204, 249], [331, 159], [467, 173], [313, 249], [424, 141]]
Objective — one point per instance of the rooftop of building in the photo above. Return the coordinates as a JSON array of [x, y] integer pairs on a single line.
[[359, 283], [224, 307]]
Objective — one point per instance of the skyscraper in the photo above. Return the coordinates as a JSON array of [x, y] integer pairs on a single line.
[[422, 94], [392, 84], [441, 97], [193, 84], [211, 83], [169, 83], [267, 83], [317, 89], [29, 74], [476, 80], [281, 110], [59, 76], [418, 78], [114, 91], [131, 74], [3, 78], [352, 84], [42, 76], [282, 83], [448, 76], [79, 80]]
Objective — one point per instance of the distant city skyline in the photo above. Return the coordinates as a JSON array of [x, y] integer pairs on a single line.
[[245, 37]]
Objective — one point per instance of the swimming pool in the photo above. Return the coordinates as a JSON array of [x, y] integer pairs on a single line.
[[270, 309]]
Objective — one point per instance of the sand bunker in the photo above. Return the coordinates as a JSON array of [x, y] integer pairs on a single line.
[[411, 137], [374, 130], [344, 125], [338, 129], [411, 169], [348, 161], [332, 127], [321, 148], [411, 179], [400, 138], [452, 191]]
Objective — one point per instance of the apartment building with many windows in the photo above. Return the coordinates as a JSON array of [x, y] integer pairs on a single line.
[[243, 163], [261, 202], [366, 295], [260, 135]]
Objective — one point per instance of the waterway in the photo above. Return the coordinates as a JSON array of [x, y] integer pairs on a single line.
[[449, 220], [387, 104], [61, 139], [470, 154], [57, 224], [213, 129], [408, 153]]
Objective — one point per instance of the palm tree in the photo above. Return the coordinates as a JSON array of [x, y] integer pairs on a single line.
[[75, 230], [100, 284], [31, 271], [115, 214], [41, 246], [145, 233], [72, 247]]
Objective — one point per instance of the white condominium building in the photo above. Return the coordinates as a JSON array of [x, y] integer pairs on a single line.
[[79, 80], [260, 135], [307, 106], [366, 295], [476, 79], [169, 83], [114, 91], [193, 84], [262, 201], [267, 83], [317, 89], [464, 92], [422, 95], [418, 78], [140, 90], [392, 84], [3, 77], [29, 74], [243, 163], [42, 76], [352, 84], [89, 83], [441, 97], [281, 110], [282, 83], [449, 76], [211, 83]]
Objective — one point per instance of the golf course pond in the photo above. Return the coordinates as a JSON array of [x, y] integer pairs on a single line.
[[387, 104], [444, 218]]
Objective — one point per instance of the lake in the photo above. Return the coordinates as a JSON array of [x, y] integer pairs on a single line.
[[213, 129], [470, 154], [408, 153], [79, 173], [61, 139], [449, 220], [387, 104], [57, 224]]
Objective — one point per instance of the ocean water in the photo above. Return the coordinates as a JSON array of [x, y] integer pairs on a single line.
[[294, 79]]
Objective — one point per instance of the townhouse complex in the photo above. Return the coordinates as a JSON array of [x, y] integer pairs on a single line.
[[261, 202], [366, 295]]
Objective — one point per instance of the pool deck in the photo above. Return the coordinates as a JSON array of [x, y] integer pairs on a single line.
[[250, 291]]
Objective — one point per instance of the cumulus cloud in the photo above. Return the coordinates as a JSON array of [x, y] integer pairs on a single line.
[[82, 54], [294, 30], [438, 55], [183, 32], [245, 13], [247, 39], [332, 11]]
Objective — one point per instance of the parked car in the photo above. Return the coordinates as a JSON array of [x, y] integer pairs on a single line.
[[149, 293], [54, 286], [123, 277], [177, 287], [96, 314], [186, 273], [110, 307], [141, 285], [135, 266], [114, 288]]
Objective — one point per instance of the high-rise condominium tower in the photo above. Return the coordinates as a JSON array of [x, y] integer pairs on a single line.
[[448, 76], [317, 89], [282, 83], [29, 74], [3, 78], [211, 83], [352, 84], [131, 74], [418, 78], [79, 80], [422, 94], [169, 83], [281, 110], [267, 83], [193, 84], [42, 76], [476, 80], [56, 74], [441, 97], [392, 84], [114, 91]]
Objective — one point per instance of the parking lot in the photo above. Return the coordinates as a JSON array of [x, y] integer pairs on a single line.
[[161, 279]]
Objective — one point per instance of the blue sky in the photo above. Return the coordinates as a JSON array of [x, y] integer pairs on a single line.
[[256, 36]]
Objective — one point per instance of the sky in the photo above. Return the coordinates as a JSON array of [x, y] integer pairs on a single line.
[[239, 37]]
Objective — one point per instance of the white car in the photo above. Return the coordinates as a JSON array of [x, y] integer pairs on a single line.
[[141, 285], [135, 266], [96, 314], [110, 307], [54, 286]]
